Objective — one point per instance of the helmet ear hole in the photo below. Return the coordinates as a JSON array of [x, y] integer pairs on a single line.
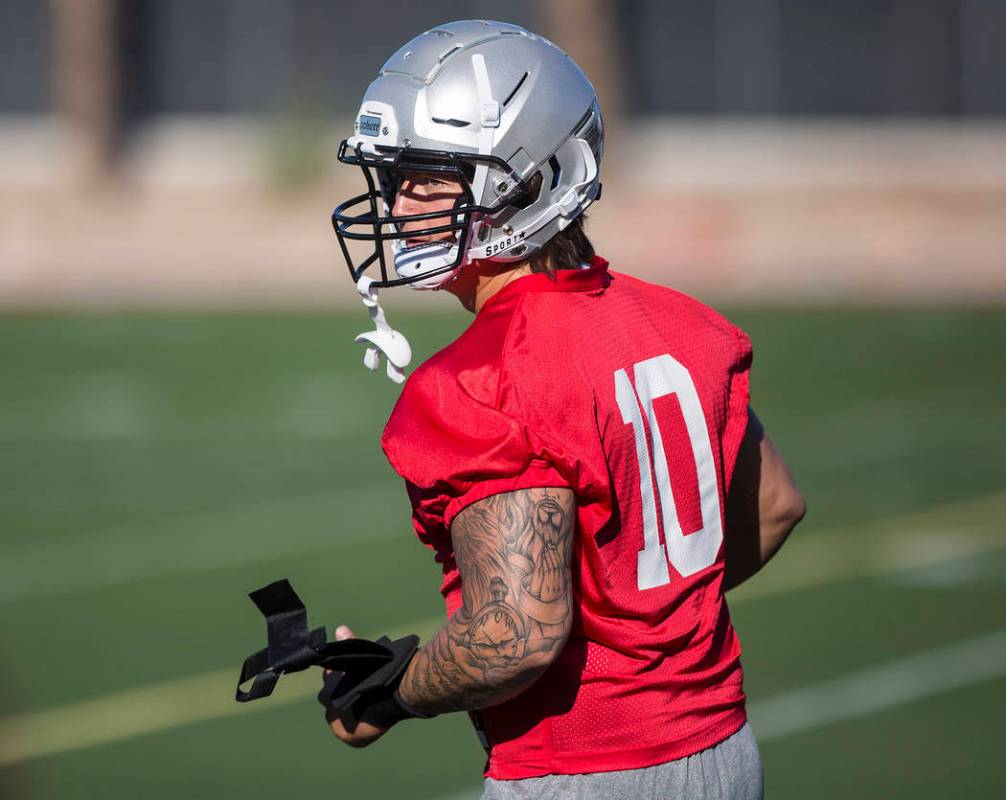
[[525, 199]]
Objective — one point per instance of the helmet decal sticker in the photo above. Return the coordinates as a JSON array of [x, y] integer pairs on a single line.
[[369, 126]]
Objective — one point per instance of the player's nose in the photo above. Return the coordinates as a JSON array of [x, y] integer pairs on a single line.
[[399, 208], [408, 199]]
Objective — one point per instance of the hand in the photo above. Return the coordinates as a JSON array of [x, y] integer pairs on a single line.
[[362, 733]]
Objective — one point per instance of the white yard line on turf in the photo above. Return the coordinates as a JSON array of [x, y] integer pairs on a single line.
[[911, 542], [132, 404], [189, 544], [877, 688], [819, 558], [868, 691], [149, 709]]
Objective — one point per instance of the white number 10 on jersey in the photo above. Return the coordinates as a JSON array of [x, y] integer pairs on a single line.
[[654, 378]]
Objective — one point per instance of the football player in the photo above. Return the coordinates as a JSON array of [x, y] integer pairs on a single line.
[[583, 460]]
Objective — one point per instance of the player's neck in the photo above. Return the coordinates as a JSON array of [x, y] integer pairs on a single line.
[[480, 281]]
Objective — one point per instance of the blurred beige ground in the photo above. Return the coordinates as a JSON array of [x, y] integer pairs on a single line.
[[759, 212]]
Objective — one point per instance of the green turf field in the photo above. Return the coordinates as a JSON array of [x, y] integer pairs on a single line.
[[154, 469]]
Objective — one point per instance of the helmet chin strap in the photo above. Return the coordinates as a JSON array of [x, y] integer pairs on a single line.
[[384, 340]]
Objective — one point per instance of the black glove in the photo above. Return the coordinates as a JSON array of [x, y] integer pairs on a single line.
[[375, 698]]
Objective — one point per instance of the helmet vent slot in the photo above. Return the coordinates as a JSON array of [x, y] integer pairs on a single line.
[[454, 123], [553, 162], [526, 198], [448, 53], [513, 91]]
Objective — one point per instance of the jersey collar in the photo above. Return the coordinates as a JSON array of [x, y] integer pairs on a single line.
[[592, 278]]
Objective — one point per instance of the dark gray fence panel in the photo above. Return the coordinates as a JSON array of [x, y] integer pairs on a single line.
[[24, 56]]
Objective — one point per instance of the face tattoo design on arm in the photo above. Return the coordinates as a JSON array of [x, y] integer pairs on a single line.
[[513, 552]]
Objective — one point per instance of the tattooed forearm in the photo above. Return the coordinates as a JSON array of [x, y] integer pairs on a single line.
[[513, 552]]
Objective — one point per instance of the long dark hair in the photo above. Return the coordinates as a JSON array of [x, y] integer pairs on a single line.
[[568, 249]]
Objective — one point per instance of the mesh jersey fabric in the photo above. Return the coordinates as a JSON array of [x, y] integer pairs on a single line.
[[526, 397]]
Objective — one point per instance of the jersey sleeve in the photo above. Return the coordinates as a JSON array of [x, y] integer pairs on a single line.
[[455, 443]]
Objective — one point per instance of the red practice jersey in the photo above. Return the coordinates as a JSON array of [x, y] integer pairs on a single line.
[[635, 396]]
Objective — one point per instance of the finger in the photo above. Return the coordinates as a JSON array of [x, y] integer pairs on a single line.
[[343, 632], [338, 729]]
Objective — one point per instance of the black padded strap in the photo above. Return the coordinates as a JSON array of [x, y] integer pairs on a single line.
[[390, 711], [292, 647], [353, 695], [256, 666], [374, 699]]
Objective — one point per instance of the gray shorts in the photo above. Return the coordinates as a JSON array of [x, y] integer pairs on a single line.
[[730, 770]]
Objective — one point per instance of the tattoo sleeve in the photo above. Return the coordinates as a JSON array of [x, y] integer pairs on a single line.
[[513, 552]]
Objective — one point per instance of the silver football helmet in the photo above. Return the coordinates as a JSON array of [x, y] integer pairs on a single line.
[[502, 110]]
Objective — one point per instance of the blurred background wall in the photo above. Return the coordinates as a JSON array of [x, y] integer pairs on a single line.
[[181, 152]]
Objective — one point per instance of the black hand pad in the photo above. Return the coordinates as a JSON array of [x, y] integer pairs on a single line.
[[292, 647], [349, 694]]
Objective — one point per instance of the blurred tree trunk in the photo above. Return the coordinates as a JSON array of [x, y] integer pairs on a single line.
[[85, 72], [587, 30]]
